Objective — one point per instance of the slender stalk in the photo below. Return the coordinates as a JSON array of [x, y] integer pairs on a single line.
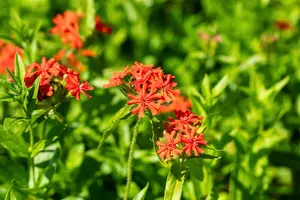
[[31, 160], [130, 159]]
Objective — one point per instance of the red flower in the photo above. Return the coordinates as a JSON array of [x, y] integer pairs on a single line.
[[192, 141], [140, 73], [164, 83], [46, 69], [185, 119], [283, 25], [117, 78], [169, 148], [101, 27], [144, 100], [75, 87], [67, 27], [7, 56]]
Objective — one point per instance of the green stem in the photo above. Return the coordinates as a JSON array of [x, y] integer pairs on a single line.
[[31, 160], [130, 159]]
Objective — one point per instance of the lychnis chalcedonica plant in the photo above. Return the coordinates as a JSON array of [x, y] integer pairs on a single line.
[[177, 132]]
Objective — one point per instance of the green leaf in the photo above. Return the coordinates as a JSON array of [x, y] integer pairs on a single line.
[[195, 168], [20, 69], [46, 156], [75, 156], [220, 87], [142, 194], [6, 97], [174, 182], [10, 195], [10, 122], [205, 87], [88, 22], [38, 147], [9, 85], [31, 96], [116, 120], [14, 78], [13, 143]]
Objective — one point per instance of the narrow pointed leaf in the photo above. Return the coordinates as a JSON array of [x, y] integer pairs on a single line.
[[220, 87], [142, 194], [8, 85], [38, 147], [205, 87], [14, 78], [174, 182], [116, 120], [20, 69]]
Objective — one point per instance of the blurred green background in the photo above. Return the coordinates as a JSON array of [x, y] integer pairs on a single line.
[[254, 122]]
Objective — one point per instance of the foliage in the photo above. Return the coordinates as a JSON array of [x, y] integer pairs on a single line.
[[238, 62]]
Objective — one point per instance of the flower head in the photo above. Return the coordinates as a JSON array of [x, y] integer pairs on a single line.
[[67, 27], [146, 98], [192, 141], [170, 147], [76, 87], [52, 73], [147, 87]]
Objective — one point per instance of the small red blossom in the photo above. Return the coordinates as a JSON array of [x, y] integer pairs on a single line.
[[169, 148], [101, 26], [117, 78], [140, 73], [165, 84], [7, 56], [46, 69], [192, 141], [75, 87], [185, 119], [67, 27], [283, 25], [144, 100]]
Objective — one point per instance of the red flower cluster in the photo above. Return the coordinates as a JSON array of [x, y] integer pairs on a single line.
[[181, 137], [67, 27], [148, 87], [7, 56], [53, 74]]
